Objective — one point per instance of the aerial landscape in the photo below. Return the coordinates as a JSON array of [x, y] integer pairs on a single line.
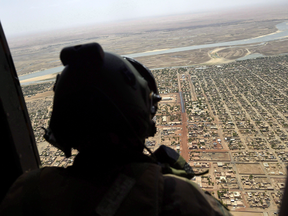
[[223, 81]]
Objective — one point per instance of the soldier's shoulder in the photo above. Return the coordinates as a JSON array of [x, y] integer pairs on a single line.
[[12, 203], [184, 197]]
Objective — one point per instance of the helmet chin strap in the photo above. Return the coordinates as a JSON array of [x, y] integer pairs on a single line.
[[154, 98]]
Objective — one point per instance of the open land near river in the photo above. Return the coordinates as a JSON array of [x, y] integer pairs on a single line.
[[34, 53], [227, 116]]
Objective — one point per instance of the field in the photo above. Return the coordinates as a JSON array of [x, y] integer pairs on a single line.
[[215, 156], [250, 169]]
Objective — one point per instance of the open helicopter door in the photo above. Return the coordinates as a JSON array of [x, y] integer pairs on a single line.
[[17, 142]]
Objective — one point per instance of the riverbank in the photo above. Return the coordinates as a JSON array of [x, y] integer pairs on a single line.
[[282, 32]]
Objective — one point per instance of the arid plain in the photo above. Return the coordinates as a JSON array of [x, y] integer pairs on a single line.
[[32, 53]]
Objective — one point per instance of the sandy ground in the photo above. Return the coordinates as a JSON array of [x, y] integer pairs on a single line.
[[247, 169], [48, 76], [39, 96], [247, 213], [218, 60], [221, 60], [248, 52], [217, 50], [155, 50], [41, 146], [269, 34]]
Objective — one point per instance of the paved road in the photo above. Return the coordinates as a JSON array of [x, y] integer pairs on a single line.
[[182, 102]]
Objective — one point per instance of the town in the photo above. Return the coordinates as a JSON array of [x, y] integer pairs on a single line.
[[230, 119]]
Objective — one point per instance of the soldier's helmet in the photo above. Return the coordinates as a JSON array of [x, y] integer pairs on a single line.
[[100, 93]]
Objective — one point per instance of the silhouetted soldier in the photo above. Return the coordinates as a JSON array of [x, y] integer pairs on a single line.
[[103, 107]]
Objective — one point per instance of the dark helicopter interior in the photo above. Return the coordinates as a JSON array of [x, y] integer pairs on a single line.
[[18, 147]]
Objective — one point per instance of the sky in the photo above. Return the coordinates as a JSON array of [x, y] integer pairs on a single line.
[[27, 16]]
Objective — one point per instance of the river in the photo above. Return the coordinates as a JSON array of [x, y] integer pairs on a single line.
[[280, 34]]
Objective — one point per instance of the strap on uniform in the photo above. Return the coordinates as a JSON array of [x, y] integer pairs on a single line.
[[119, 190], [173, 163], [115, 195]]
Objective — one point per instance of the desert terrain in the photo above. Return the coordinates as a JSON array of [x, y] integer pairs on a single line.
[[32, 53]]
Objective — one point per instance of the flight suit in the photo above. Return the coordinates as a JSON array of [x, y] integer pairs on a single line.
[[134, 189]]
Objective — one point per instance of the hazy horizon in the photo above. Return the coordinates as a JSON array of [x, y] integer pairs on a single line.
[[36, 17]]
